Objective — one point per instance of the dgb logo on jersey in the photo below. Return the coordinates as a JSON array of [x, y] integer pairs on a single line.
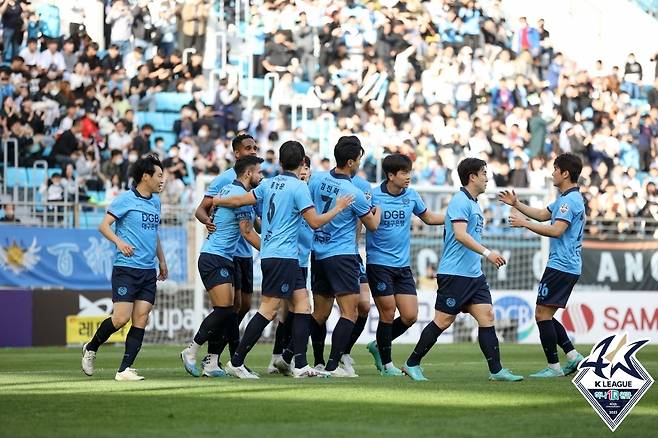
[[612, 379]]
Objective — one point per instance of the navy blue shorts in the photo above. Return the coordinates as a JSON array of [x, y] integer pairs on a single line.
[[281, 277], [456, 292], [215, 270], [337, 275], [388, 280], [304, 273], [555, 288], [131, 284], [363, 276], [243, 277]]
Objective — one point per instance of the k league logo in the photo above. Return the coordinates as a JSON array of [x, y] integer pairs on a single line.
[[612, 379]]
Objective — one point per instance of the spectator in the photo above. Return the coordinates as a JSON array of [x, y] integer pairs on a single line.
[[9, 215], [141, 143], [632, 77], [120, 139], [66, 144], [120, 19], [12, 26], [30, 53], [194, 14]]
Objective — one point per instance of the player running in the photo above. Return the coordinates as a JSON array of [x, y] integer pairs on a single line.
[[388, 260], [287, 200], [216, 265], [462, 284], [243, 278], [136, 215], [567, 216], [335, 264]]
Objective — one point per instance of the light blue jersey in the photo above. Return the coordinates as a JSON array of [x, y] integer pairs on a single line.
[[564, 254], [364, 186], [137, 221], [285, 198], [304, 243], [389, 245], [243, 248], [224, 241], [338, 236], [456, 258]]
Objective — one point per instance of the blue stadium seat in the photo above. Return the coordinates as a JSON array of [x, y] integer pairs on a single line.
[[36, 176], [91, 219], [301, 87], [168, 120], [16, 177], [55, 170], [258, 87], [171, 101]]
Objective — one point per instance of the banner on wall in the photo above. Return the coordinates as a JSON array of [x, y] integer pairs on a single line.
[[589, 317], [74, 258], [607, 265]]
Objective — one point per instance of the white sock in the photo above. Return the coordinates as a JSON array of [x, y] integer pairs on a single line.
[[572, 355], [276, 356], [193, 348], [555, 366], [214, 360], [388, 366]]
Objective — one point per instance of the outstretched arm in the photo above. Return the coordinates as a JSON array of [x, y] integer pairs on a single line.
[[235, 201], [316, 220], [431, 218], [538, 214], [553, 230]]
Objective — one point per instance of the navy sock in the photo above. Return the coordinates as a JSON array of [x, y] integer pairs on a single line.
[[318, 335], [562, 338], [282, 335], [251, 335], [103, 333], [339, 341], [489, 346], [548, 337], [133, 345], [301, 326], [233, 333], [384, 338], [399, 327], [211, 325], [359, 325], [289, 350], [427, 340]]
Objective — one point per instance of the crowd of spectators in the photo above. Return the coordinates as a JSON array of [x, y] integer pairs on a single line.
[[437, 80]]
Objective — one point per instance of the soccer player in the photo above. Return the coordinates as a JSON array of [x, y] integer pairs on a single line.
[[321, 315], [243, 278], [282, 336], [287, 200], [136, 215], [567, 216], [462, 284], [388, 259], [335, 264], [216, 264]]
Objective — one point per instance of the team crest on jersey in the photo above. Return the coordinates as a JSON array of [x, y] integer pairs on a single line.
[[122, 290], [612, 379], [381, 287], [564, 208], [368, 195], [223, 272], [405, 201], [285, 288], [450, 302]]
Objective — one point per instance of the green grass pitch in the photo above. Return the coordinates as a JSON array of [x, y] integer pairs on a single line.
[[44, 393]]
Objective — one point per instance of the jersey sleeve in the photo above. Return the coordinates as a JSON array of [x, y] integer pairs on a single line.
[[214, 187], [360, 206], [259, 192], [303, 199], [419, 205], [566, 211], [244, 213], [458, 210], [551, 207], [120, 206]]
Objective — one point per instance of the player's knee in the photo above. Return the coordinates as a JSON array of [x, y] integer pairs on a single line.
[[409, 318], [487, 318], [387, 315], [443, 321], [364, 308], [119, 321], [542, 314]]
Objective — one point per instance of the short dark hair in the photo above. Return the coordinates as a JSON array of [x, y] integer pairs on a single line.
[[145, 166], [395, 163], [237, 141], [347, 148], [307, 161], [570, 163], [244, 163], [468, 167], [146, 126], [291, 155]]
